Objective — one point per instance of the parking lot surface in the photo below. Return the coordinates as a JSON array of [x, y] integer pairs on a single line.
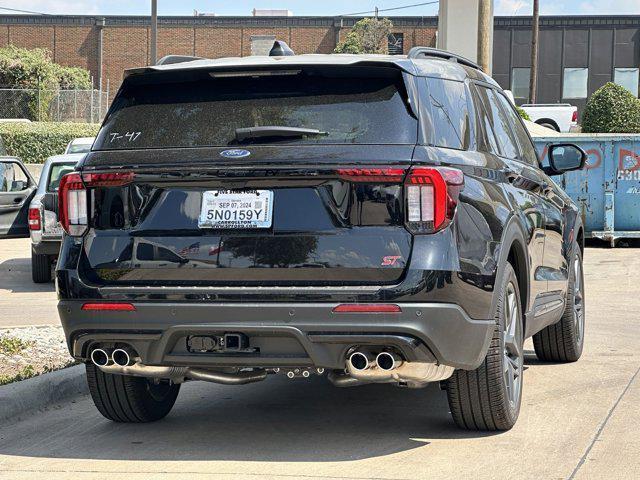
[[577, 420], [23, 302]]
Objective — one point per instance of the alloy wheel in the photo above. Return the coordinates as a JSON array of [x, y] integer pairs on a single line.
[[578, 300], [512, 341]]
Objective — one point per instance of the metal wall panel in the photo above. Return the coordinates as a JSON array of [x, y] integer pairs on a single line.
[[550, 66], [576, 48]]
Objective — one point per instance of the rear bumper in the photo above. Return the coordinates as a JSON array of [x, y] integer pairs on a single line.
[[285, 334], [47, 247]]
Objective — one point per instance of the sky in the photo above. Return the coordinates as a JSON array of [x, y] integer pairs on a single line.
[[310, 7]]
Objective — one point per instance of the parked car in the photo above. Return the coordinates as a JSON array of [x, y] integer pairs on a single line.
[[228, 224], [561, 117], [80, 145], [17, 187], [44, 227]]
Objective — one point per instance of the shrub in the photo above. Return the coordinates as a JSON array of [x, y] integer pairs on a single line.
[[73, 78], [612, 109], [523, 114], [34, 70], [34, 142], [369, 35]]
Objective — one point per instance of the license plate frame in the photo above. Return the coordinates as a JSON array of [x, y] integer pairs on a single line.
[[218, 207]]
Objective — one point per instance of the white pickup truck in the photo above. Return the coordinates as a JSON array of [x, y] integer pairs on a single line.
[[561, 117]]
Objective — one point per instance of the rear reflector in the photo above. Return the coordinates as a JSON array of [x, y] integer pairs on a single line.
[[367, 308], [111, 307], [34, 219], [372, 175]]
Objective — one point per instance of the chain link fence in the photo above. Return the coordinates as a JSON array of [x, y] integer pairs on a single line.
[[88, 106]]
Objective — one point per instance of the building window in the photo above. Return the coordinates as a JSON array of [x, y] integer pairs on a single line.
[[575, 83], [396, 43], [520, 83], [627, 78]]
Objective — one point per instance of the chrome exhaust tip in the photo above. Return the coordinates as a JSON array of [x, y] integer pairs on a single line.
[[388, 361], [121, 357], [361, 360], [100, 357]]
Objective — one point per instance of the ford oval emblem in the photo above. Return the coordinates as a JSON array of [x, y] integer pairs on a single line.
[[235, 153]]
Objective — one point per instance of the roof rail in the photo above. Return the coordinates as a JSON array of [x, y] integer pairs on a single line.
[[424, 52], [169, 59]]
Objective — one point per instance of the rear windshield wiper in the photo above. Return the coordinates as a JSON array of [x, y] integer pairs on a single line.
[[275, 132]]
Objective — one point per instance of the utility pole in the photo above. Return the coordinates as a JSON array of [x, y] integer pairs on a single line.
[[485, 19], [154, 31], [533, 78]]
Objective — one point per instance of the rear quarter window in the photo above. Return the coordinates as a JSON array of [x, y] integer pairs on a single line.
[[452, 121]]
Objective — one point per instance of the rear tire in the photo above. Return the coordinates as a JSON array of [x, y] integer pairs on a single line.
[[563, 341], [127, 399], [40, 268], [489, 397]]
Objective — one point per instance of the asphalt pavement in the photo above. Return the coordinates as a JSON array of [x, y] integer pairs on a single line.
[[578, 421]]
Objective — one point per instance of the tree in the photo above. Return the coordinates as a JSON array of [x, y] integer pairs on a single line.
[[35, 71], [369, 35]]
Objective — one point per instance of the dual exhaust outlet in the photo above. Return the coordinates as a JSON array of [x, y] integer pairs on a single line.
[[363, 366], [364, 360], [120, 356]]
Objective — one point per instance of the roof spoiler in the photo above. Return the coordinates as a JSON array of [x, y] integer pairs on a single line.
[[426, 52]]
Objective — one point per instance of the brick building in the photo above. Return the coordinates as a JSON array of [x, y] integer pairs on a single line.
[[578, 54], [108, 45]]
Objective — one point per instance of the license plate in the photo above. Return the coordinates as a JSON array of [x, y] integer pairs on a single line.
[[236, 209]]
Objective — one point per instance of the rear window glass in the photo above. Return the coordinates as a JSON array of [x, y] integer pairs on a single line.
[[206, 111], [58, 171]]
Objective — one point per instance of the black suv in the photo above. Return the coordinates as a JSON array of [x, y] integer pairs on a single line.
[[374, 219]]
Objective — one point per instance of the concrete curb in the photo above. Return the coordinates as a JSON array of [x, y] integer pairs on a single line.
[[41, 391]]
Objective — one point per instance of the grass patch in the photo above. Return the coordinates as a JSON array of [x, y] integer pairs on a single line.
[[12, 346], [26, 372]]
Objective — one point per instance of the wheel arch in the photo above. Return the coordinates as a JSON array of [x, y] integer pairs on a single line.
[[549, 121], [513, 250]]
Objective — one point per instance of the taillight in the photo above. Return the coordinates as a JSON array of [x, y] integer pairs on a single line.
[[73, 197], [72, 204], [109, 179], [574, 117], [431, 197], [372, 175], [35, 222]]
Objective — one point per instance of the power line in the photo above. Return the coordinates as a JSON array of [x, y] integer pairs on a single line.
[[390, 9], [23, 11]]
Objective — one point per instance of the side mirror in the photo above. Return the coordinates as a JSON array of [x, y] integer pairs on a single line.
[[19, 185], [565, 157]]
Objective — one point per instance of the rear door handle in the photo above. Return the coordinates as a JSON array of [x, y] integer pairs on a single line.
[[18, 199]]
